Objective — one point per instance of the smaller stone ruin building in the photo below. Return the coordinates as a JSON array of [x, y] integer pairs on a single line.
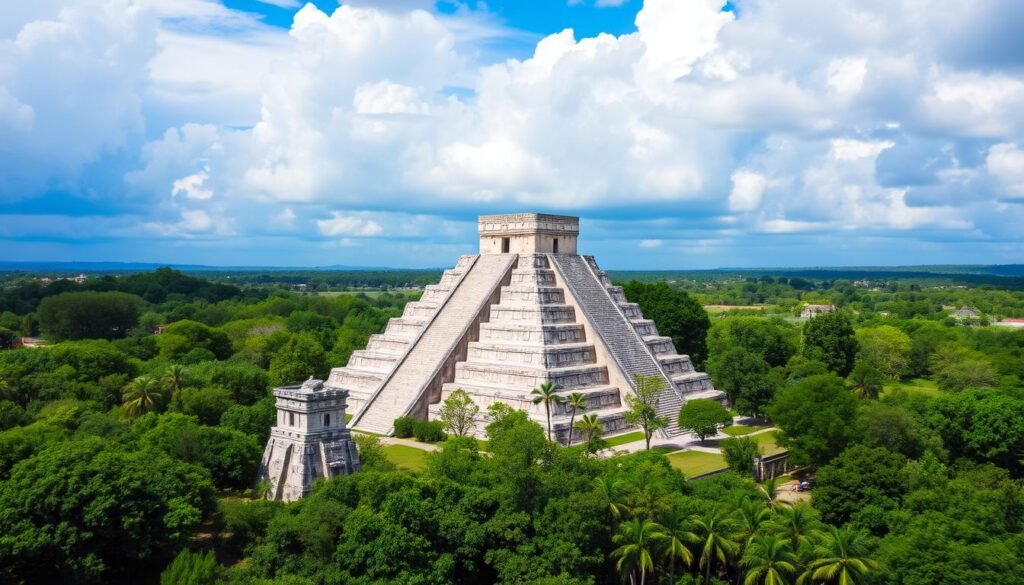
[[309, 442]]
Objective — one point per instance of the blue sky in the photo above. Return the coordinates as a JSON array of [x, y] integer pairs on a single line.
[[685, 133]]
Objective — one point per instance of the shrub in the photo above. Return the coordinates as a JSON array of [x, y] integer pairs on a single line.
[[739, 454], [428, 431], [404, 426]]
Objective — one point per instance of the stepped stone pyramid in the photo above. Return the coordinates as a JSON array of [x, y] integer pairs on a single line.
[[526, 310]]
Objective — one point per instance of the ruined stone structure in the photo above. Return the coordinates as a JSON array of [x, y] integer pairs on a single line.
[[526, 310], [310, 440]]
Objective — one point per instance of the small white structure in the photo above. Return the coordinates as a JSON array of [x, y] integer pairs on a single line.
[[966, 314], [309, 442], [812, 311]]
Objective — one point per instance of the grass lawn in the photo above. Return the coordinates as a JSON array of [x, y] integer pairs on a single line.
[[740, 430], [623, 439], [766, 441], [919, 385], [693, 463], [404, 457]]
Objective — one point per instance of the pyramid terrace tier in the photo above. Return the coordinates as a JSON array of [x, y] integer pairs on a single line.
[[536, 355], [542, 333], [528, 378], [692, 382], [675, 363], [502, 313], [533, 294], [612, 421], [534, 276]]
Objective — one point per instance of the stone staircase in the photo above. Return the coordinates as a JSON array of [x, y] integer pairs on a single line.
[[533, 337], [367, 368], [403, 386], [633, 340]]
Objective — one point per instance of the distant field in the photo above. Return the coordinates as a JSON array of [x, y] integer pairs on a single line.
[[919, 385], [693, 463], [404, 457], [370, 293], [723, 308]]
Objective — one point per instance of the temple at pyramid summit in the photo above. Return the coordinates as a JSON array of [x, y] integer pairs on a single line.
[[527, 310]]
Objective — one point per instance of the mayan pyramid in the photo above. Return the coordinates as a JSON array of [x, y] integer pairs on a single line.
[[524, 311]]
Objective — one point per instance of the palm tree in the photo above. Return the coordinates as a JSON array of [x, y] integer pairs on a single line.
[[676, 538], [768, 561], [577, 401], [866, 381], [174, 377], [547, 394], [609, 492], [769, 492], [590, 428], [713, 529], [141, 395], [637, 538], [798, 524], [751, 515], [840, 559]]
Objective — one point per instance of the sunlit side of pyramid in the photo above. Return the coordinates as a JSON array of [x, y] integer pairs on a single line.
[[526, 310]]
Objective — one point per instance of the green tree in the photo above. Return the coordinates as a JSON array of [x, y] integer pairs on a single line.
[[677, 314], [81, 510], [886, 348], [677, 539], [590, 427], [981, 425], [768, 561], [858, 478], [300, 358], [702, 417], [829, 338], [956, 368], [841, 559], [739, 453], [818, 417], [714, 530], [547, 394], [798, 524], [866, 380], [576, 402], [739, 373], [189, 568], [88, 315], [206, 404], [637, 540], [642, 405], [775, 341], [458, 413], [175, 377], [143, 394]]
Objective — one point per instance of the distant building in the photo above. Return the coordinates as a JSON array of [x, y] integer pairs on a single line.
[[812, 311], [301, 287], [30, 342], [1010, 323], [80, 279], [966, 314], [159, 329]]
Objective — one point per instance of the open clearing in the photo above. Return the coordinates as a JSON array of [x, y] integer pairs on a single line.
[[919, 385], [693, 463], [404, 457]]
